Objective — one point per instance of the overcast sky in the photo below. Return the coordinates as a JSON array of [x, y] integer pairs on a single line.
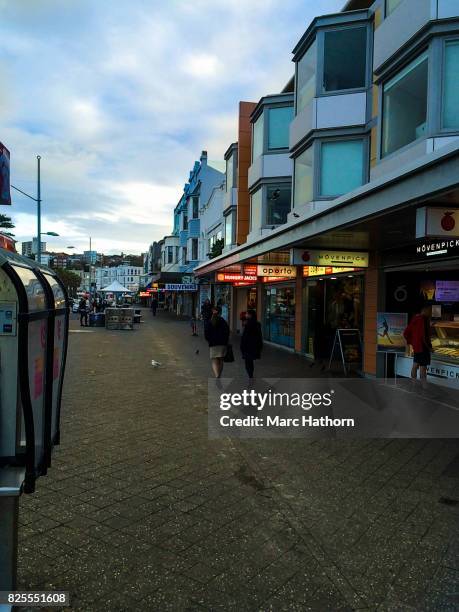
[[120, 97]]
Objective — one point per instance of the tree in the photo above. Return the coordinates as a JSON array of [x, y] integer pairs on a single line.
[[7, 223], [217, 248], [71, 280]]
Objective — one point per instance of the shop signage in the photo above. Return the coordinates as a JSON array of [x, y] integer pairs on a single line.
[[447, 290], [275, 279], [5, 191], [324, 271], [437, 222], [318, 257], [181, 287], [144, 294], [438, 247], [436, 370], [225, 277], [389, 328], [250, 269], [273, 270]]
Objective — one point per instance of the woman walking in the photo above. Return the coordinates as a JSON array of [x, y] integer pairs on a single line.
[[251, 341], [216, 332]]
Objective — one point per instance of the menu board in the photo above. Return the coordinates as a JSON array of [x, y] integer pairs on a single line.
[[447, 290], [351, 345]]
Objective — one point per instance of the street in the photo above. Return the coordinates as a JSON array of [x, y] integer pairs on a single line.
[[141, 511]]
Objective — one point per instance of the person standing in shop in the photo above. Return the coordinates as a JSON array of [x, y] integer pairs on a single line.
[[216, 332], [418, 335], [251, 341]]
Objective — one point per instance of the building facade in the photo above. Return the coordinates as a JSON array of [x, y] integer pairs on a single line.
[[29, 248], [128, 276], [371, 157]]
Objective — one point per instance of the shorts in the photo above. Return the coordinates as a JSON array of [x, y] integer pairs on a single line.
[[422, 358], [217, 352]]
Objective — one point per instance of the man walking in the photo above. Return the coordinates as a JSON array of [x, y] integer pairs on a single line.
[[154, 306], [418, 335], [83, 310]]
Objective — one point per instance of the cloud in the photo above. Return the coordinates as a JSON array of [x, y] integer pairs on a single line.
[[120, 102]]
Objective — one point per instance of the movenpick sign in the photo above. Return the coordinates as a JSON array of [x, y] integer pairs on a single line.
[[5, 193], [273, 270], [317, 257], [431, 222]]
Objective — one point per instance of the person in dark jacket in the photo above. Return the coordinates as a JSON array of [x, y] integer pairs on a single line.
[[83, 309], [216, 332], [154, 306], [206, 311], [251, 341]]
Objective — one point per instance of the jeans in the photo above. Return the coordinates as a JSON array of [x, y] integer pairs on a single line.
[[84, 315], [249, 366]]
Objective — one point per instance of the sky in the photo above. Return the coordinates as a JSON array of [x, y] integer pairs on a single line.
[[119, 98]]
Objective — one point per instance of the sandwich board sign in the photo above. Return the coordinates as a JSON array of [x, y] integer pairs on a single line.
[[348, 344]]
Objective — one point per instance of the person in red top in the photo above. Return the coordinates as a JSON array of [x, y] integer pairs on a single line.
[[418, 335]]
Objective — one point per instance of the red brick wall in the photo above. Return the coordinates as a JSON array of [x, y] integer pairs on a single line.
[[244, 160]]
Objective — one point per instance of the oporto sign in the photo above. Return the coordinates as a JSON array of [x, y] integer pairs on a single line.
[[274, 270]]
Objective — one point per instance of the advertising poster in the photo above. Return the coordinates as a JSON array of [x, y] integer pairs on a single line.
[[390, 328]]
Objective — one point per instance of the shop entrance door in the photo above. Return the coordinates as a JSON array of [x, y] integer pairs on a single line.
[[279, 319]]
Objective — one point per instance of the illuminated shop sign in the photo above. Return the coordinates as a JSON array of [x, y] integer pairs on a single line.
[[225, 277], [181, 287], [250, 269], [324, 270], [438, 247], [273, 270], [274, 279], [328, 258], [437, 222]]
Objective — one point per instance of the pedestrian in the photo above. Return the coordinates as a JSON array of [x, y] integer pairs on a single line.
[[206, 311], [251, 341], [216, 332], [193, 324], [418, 335], [83, 310], [154, 306]]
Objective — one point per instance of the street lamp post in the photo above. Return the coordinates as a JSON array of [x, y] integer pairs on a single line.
[[38, 201]]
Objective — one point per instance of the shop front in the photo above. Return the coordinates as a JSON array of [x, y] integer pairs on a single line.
[[333, 299], [235, 285], [279, 299], [431, 278]]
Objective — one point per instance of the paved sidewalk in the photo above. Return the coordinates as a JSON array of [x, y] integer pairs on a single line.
[[141, 511]]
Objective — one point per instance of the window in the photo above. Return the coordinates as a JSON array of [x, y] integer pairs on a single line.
[[279, 120], [258, 133], [170, 254], [306, 78], [451, 86], [342, 168], [229, 173], [256, 202], [303, 190], [229, 229], [195, 207], [185, 221], [391, 5], [345, 59], [194, 249], [184, 255], [405, 106], [278, 203], [176, 254]]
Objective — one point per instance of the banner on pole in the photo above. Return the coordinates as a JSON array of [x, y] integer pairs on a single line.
[[5, 191]]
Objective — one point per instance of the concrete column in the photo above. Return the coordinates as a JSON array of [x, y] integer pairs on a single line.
[[299, 309]]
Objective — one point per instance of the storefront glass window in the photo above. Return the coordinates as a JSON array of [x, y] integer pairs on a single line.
[[345, 59], [303, 190], [278, 127], [405, 106], [451, 86], [341, 167], [306, 78], [332, 304], [279, 315], [278, 204], [256, 202], [258, 136]]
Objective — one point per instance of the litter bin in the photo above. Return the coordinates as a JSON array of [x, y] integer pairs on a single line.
[[34, 318]]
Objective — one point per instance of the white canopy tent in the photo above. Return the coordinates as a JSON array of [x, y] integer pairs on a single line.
[[115, 287]]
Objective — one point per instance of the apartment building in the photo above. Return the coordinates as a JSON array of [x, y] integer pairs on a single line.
[[371, 157], [29, 248], [129, 276]]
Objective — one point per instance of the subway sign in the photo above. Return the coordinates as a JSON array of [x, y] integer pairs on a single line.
[[273, 270]]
